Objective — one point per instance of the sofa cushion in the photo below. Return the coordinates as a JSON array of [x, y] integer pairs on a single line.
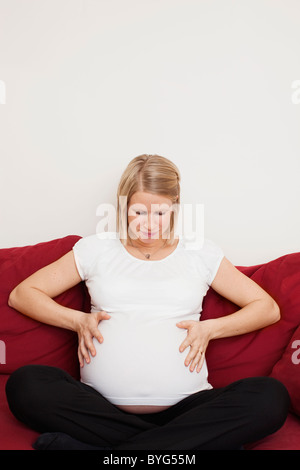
[[14, 435], [286, 438], [287, 370], [255, 353], [24, 340]]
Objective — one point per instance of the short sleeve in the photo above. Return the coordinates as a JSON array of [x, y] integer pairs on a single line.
[[212, 256], [84, 254]]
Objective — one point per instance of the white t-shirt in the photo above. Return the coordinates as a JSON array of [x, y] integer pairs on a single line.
[[139, 362]]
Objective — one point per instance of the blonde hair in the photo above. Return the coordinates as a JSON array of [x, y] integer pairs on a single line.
[[152, 174]]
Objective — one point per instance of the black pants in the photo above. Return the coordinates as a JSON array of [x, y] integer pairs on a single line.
[[47, 399]]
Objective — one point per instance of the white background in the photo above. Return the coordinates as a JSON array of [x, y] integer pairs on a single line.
[[208, 84]]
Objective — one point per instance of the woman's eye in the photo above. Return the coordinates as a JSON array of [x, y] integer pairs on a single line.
[[142, 213]]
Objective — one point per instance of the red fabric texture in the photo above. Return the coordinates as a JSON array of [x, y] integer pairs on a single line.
[[287, 370], [255, 353], [13, 434], [286, 438], [27, 341]]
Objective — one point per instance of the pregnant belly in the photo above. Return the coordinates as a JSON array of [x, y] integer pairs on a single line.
[[139, 368], [142, 409]]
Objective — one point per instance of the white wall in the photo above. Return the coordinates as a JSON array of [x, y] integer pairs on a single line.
[[209, 84]]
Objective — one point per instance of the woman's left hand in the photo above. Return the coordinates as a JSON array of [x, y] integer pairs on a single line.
[[198, 337]]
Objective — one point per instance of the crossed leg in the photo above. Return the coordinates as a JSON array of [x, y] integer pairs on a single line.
[[48, 399]]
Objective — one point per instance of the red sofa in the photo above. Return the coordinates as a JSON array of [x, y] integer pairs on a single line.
[[272, 351]]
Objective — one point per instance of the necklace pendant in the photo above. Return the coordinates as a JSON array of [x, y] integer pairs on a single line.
[[147, 256]]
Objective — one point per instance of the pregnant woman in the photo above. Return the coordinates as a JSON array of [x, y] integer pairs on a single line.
[[144, 380]]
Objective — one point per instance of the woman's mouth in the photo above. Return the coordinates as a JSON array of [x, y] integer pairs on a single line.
[[149, 233]]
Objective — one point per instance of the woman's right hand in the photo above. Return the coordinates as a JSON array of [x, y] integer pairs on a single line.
[[87, 329]]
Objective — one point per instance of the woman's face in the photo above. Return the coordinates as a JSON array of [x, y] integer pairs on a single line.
[[149, 216]]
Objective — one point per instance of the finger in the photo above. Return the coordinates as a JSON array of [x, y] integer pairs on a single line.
[[201, 363], [104, 315], [182, 347], [192, 356], [185, 343], [98, 335], [84, 353], [80, 357], [196, 360], [88, 341], [183, 324]]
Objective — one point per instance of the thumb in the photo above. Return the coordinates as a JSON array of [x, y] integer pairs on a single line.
[[102, 315], [183, 324]]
